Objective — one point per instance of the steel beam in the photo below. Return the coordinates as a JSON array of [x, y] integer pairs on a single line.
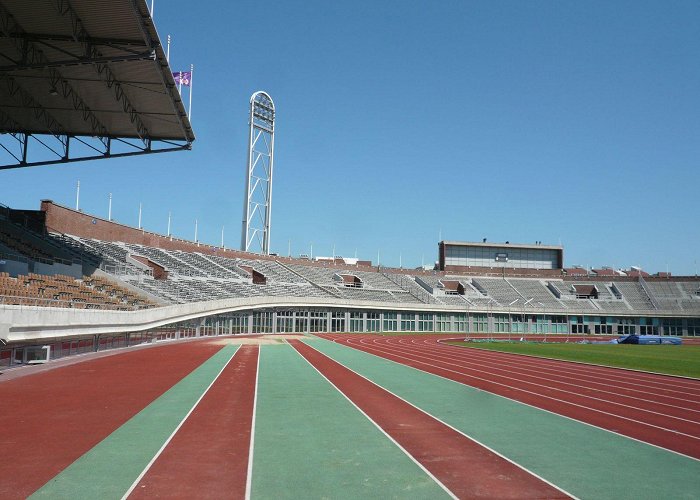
[[145, 56], [23, 158], [81, 36], [31, 55]]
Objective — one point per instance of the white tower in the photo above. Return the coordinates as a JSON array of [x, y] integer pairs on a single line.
[[257, 200]]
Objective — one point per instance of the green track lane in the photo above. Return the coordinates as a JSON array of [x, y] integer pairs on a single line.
[[311, 442], [585, 461], [109, 469]]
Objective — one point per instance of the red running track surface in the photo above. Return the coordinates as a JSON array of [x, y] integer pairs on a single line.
[[208, 457], [51, 418], [466, 468], [657, 409]]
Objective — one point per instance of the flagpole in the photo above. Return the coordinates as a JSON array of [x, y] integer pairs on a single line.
[[189, 110], [167, 54]]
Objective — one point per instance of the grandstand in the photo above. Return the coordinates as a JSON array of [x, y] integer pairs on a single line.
[[140, 285]]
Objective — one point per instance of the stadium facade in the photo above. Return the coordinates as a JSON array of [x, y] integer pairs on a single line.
[[78, 282]]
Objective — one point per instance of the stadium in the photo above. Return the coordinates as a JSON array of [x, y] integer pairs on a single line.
[[139, 364], [80, 262]]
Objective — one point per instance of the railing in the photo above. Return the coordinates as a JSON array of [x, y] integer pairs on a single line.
[[323, 289], [124, 269], [648, 293], [14, 256], [67, 304], [616, 291], [403, 281]]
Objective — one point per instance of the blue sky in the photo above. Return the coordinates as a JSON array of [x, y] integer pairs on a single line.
[[397, 122]]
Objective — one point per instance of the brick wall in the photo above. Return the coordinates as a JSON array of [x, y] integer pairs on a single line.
[[66, 220]]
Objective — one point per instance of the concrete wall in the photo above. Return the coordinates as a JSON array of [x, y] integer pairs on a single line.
[[74, 270], [28, 323], [13, 267]]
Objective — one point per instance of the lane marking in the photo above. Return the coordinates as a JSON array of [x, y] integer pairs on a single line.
[[249, 477], [417, 359], [516, 401], [545, 367], [615, 370], [573, 369], [429, 474], [421, 352], [434, 339], [429, 415], [172, 435], [646, 373]]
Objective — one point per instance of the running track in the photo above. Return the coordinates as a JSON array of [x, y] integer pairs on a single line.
[[312, 418], [658, 409]]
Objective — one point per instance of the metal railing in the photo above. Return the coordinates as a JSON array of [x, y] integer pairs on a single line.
[[67, 304]]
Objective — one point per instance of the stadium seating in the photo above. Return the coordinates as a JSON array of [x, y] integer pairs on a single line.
[[65, 291], [194, 276], [634, 295]]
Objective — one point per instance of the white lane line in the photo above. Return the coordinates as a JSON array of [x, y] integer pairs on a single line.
[[417, 359], [411, 457], [611, 372], [434, 418], [418, 356], [601, 376], [525, 404], [578, 369], [249, 477], [420, 353], [642, 378], [172, 435], [489, 356]]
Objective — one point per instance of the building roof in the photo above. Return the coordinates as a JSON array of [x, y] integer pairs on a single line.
[[605, 272], [90, 68], [501, 245]]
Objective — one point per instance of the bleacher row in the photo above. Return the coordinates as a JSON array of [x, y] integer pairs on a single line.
[[195, 276], [11, 242], [68, 292], [198, 277]]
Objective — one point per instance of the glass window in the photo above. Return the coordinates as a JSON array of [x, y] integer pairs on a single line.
[[357, 321], [425, 322], [501, 323], [408, 322], [460, 322], [480, 322], [373, 322], [390, 322], [338, 322], [262, 322]]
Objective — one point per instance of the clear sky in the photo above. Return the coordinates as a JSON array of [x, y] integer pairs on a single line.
[[397, 122]]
